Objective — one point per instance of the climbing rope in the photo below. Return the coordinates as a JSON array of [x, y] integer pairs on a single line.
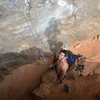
[[27, 20]]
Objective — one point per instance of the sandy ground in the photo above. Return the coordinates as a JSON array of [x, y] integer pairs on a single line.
[[19, 84]]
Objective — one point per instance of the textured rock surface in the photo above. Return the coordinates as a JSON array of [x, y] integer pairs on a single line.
[[84, 86], [48, 24], [89, 47]]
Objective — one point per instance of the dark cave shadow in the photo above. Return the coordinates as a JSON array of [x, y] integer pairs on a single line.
[[55, 46], [10, 61], [51, 34]]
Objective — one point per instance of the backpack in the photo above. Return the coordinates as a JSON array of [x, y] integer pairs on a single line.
[[71, 57]]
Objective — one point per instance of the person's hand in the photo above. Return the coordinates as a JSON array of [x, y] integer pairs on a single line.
[[51, 68], [57, 82]]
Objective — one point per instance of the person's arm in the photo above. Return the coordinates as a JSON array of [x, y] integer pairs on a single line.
[[61, 76], [54, 62], [55, 58]]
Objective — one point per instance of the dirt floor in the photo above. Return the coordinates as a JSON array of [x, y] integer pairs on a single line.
[[19, 83]]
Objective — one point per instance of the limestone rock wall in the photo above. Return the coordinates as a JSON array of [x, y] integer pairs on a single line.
[[46, 24]]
